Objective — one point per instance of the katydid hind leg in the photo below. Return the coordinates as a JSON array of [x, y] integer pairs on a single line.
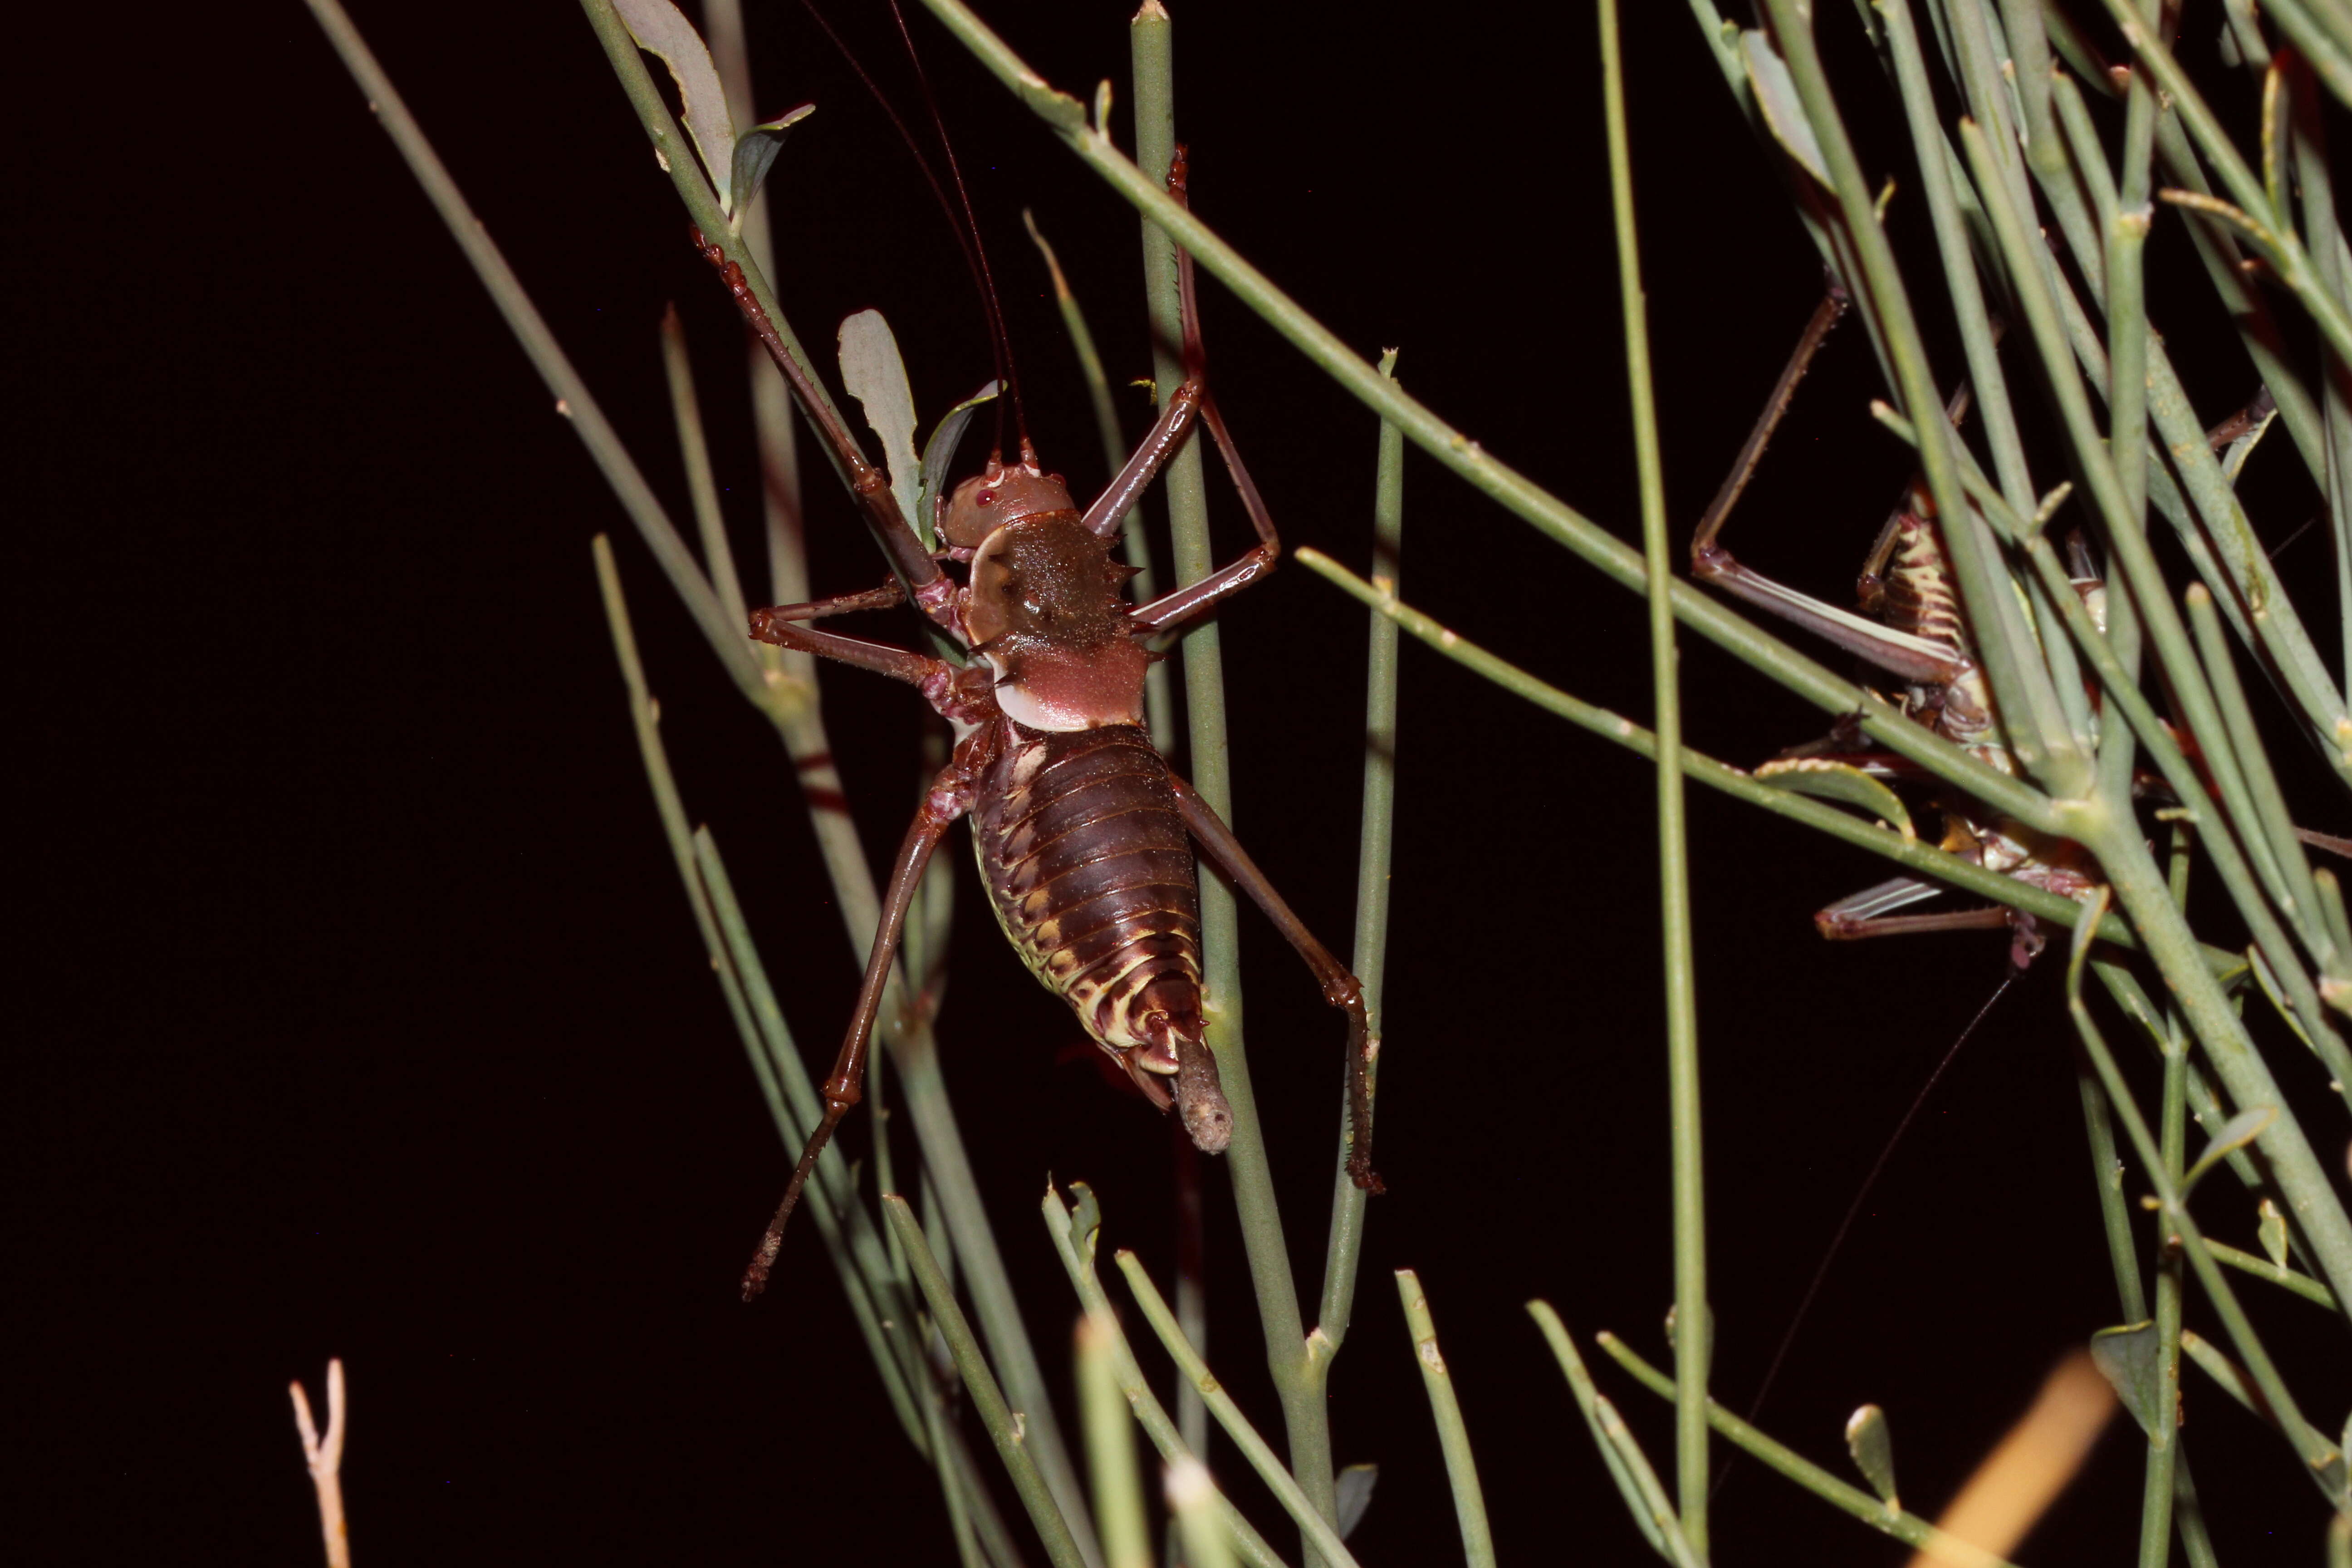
[[948, 799], [1340, 987]]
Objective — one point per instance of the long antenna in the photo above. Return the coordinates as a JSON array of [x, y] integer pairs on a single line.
[[979, 246], [960, 221], [1862, 1196]]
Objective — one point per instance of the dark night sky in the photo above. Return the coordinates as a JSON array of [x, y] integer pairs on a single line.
[[367, 1018]]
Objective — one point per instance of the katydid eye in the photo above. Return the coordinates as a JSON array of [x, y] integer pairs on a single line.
[[985, 498]]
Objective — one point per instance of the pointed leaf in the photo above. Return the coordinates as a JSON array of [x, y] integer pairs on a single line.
[[1872, 1448], [940, 451], [2270, 1227], [1840, 781], [877, 377], [1784, 112], [2236, 1133], [2128, 1359], [754, 152], [1352, 1494], [663, 31]]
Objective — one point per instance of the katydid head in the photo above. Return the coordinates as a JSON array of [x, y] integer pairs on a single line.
[[997, 497]]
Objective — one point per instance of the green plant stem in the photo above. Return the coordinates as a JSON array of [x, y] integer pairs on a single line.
[[2175, 1211], [2030, 714], [1286, 1487], [1077, 1252], [2302, 1285], [1903, 1525], [1637, 1483], [1306, 1413], [908, 1039], [987, 1398], [1622, 564], [572, 398], [1110, 1451], [1453, 1434], [743, 986], [1909, 852], [1342, 1252], [1693, 1317], [1158, 706], [2233, 1380], [694, 452]]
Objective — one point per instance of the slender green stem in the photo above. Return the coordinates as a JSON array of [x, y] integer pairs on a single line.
[[1453, 1434], [1158, 706], [1192, 1498], [865, 1274], [701, 484], [2175, 1209], [1374, 847], [1073, 1242], [1693, 1317], [1903, 1525], [1903, 850], [2021, 685], [1110, 1452], [1622, 564], [2233, 1380], [1305, 1414], [906, 1038], [1637, 1483], [572, 398], [987, 1398], [1286, 1487], [2302, 1285]]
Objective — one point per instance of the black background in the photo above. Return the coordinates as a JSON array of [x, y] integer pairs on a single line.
[[366, 1018]]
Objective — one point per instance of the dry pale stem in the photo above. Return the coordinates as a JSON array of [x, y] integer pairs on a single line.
[[325, 1457]]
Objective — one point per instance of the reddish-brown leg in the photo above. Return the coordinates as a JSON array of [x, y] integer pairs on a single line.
[[1867, 914], [778, 626], [888, 594], [934, 591], [949, 797], [1340, 988], [1194, 598]]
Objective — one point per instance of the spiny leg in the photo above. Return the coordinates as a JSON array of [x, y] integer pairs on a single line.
[[1340, 988], [777, 625], [949, 797], [1229, 579], [888, 596], [1868, 914], [1825, 317], [934, 591]]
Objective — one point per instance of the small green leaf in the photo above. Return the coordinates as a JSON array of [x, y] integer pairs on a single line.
[[1872, 1448], [940, 451], [1085, 1219], [2128, 1358], [663, 31], [877, 377], [2269, 1228], [1351, 1495], [1784, 112], [755, 150], [1840, 781], [2236, 1133]]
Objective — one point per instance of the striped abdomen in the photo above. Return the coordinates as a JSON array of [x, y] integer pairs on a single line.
[[1090, 871], [1921, 599]]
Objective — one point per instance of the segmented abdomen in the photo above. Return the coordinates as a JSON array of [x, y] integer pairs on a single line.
[[1089, 868]]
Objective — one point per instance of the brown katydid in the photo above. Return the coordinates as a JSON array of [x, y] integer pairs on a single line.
[[1083, 831]]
